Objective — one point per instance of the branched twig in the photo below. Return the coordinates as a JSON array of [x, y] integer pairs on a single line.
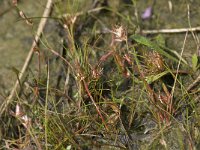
[[29, 56]]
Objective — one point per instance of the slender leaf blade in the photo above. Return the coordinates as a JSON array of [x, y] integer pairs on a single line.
[[144, 41]]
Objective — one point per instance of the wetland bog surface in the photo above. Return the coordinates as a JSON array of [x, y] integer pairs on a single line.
[[96, 79]]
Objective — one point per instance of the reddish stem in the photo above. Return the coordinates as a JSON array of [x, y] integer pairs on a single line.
[[96, 106]]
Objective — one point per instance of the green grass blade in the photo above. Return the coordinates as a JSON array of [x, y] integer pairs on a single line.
[[152, 78], [144, 41]]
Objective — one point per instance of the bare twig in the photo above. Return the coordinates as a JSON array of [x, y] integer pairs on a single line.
[[29, 56], [181, 30], [106, 30]]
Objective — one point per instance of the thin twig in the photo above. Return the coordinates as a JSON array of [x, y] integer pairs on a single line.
[[106, 30], [181, 30], [30, 54]]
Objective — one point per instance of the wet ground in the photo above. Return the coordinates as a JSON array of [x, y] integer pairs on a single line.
[[16, 39]]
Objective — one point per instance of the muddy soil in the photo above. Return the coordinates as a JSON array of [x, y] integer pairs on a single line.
[[16, 36]]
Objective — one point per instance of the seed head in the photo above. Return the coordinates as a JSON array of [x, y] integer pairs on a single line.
[[119, 34]]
